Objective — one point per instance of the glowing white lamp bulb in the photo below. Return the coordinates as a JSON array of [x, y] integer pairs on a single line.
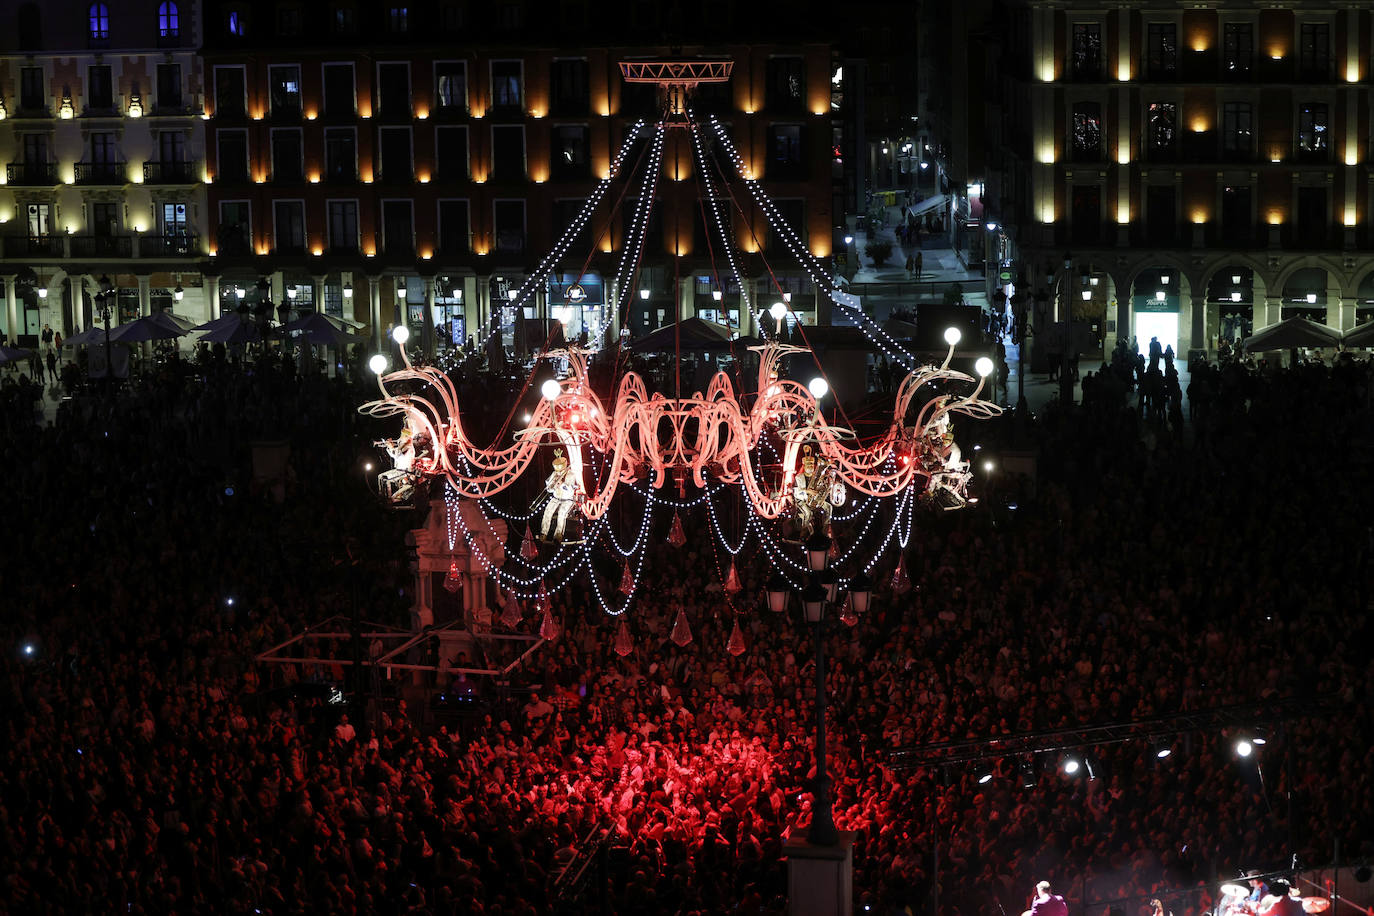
[[1071, 766], [818, 387], [777, 310], [400, 334], [983, 366], [550, 389], [377, 363], [1244, 748], [953, 336]]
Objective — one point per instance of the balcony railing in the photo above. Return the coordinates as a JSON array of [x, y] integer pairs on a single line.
[[41, 246], [100, 173], [102, 246], [31, 173], [177, 245], [171, 172]]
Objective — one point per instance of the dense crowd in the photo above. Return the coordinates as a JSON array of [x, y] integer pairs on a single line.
[[151, 765]]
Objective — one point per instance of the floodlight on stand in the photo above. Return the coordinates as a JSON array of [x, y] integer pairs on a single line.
[[818, 387], [860, 592], [777, 591], [550, 389], [817, 551], [813, 602], [377, 363], [400, 334]]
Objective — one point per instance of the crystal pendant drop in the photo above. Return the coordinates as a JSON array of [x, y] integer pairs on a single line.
[[528, 550], [624, 645], [548, 630], [901, 582], [627, 579], [675, 535], [732, 585], [682, 631], [736, 643]]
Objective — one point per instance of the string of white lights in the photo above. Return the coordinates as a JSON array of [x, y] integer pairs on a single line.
[[720, 531], [807, 260], [722, 234], [639, 228], [561, 247]]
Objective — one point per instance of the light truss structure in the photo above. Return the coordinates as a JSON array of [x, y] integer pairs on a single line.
[[771, 446], [1269, 714]]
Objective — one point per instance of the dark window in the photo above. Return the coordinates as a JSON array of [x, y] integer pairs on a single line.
[[169, 87], [509, 220], [398, 19], [1237, 132], [229, 92], [1313, 140], [1086, 60], [103, 149], [168, 20], [1086, 144], [786, 83], [342, 20], [1237, 224], [1161, 218], [1238, 47], [454, 232], [171, 146], [1161, 56], [565, 213], [1162, 129], [339, 98], [508, 152], [793, 214], [35, 149], [570, 93], [511, 16], [104, 218], [30, 28], [1314, 50], [31, 94], [235, 234], [785, 151], [340, 155], [233, 155], [286, 90], [286, 155], [506, 84], [1086, 214], [451, 17], [289, 21], [343, 225], [451, 153], [394, 88], [398, 226], [569, 155], [1313, 224], [290, 226], [451, 85], [100, 21], [99, 89], [397, 164]]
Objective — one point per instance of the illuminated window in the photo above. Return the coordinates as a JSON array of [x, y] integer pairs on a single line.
[[1238, 47], [398, 19], [786, 84], [168, 20], [1313, 139], [236, 21], [100, 21], [451, 85], [1162, 129], [1085, 61], [507, 84], [1086, 141], [286, 90], [569, 159]]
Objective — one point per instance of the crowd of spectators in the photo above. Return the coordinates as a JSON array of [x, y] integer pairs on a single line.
[[151, 765]]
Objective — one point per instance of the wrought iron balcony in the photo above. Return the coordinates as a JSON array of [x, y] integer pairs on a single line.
[[102, 246], [31, 173], [100, 173], [175, 245], [171, 172]]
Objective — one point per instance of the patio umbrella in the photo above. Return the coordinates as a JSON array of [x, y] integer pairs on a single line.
[[13, 355], [149, 327], [231, 328], [316, 328], [1292, 332], [172, 320], [92, 335], [1360, 337]]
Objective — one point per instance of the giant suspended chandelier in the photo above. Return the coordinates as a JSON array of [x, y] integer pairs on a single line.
[[770, 450]]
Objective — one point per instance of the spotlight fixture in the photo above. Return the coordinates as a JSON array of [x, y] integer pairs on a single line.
[[1162, 750], [1071, 766], [984, 775], [1244, 747]]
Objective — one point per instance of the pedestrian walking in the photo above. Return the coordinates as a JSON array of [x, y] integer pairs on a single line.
[[918, 264], [52, 367], [46, 336]]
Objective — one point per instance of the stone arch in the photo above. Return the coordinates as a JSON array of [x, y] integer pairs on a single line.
[[1228, 318], [1335, 270], [1139, 316]]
